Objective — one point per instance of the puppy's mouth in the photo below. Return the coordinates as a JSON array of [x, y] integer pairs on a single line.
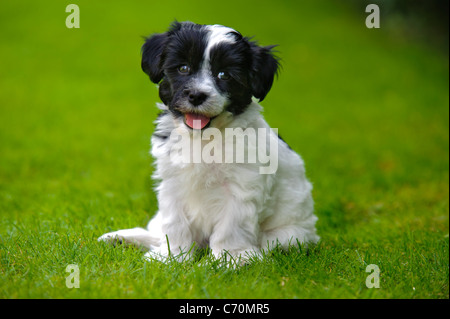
[[196, 121]]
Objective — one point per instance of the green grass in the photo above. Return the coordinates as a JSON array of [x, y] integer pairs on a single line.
[[367, 110]]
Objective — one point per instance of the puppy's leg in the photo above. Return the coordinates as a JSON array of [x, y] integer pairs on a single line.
[[290, 235], [138, 237], [236, 234], [172, 228], [176, 241]]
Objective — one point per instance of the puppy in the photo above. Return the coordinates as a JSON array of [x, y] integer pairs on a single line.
[[210, 78]]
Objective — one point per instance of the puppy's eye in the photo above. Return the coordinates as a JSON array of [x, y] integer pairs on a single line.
[[184, 69], [223, 76]]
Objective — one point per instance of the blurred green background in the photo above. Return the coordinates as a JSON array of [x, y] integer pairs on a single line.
[[368, 109]]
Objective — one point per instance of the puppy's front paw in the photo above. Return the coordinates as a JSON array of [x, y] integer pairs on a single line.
[[112, 237], [239, 258], [156, 255]]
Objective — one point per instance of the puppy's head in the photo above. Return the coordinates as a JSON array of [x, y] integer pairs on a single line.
[[206, 70]]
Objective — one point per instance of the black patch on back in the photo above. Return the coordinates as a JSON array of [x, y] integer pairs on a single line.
[[279, 136]]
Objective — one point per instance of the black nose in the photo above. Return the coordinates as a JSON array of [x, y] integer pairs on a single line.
[[195, 97]]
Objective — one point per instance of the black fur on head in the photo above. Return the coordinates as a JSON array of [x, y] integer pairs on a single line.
[[264, 67], [234, 65]]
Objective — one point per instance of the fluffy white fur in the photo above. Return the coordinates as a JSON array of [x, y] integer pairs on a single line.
[[231, 208]]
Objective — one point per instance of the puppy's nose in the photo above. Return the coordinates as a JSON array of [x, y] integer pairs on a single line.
[[195, 97]]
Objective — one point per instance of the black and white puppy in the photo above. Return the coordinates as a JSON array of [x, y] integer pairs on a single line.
[[209, 78]]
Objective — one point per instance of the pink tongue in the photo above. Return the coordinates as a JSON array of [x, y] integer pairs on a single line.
[[196, 121]]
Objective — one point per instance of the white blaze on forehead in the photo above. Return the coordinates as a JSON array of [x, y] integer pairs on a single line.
[[218, 34], [204, 81]]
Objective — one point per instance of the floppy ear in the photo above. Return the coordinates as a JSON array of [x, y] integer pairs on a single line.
[[264, 67], [151, 56]]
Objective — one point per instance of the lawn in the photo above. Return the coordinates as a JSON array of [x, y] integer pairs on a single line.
[[368, 110]]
